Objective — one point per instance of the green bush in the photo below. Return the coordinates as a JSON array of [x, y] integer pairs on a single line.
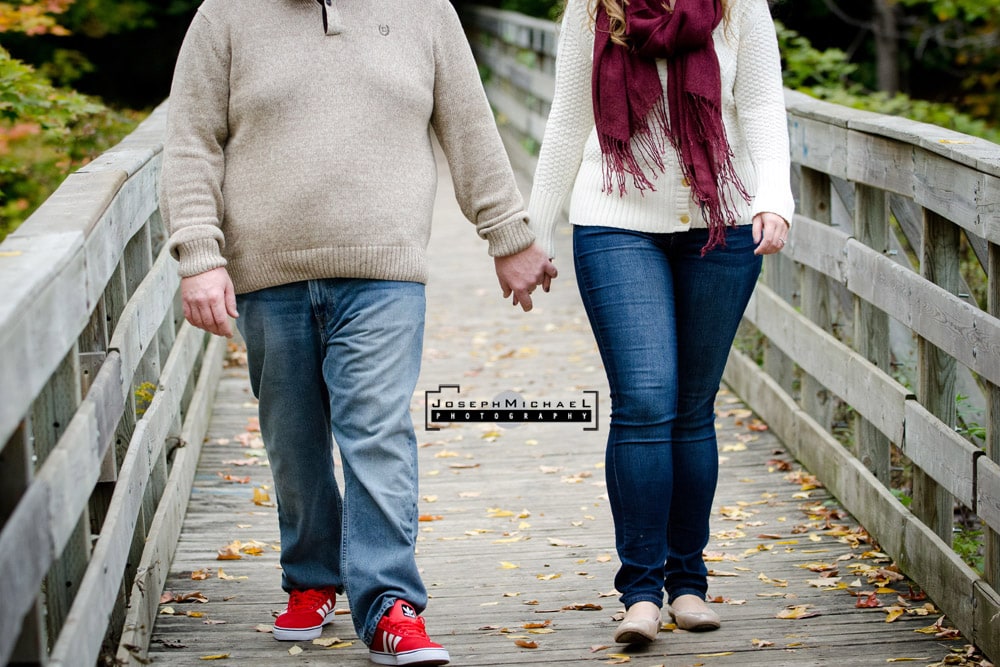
[[46, 133]]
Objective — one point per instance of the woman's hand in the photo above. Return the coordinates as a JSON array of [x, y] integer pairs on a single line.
[[769, 233]]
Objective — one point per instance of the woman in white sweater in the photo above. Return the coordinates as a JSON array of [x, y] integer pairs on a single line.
[[668, 135]]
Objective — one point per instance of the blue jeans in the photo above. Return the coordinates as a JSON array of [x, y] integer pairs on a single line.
[[340, 358], [664, 318]]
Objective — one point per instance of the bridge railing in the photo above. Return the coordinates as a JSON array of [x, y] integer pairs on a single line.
[[867, 331], [106, 394]]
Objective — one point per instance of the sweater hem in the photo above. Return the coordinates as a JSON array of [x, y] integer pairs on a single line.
[[256, 272]]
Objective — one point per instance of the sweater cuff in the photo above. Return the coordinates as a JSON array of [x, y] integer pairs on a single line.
[[774, 194], [197, 256], [510, 239], [545, 212]]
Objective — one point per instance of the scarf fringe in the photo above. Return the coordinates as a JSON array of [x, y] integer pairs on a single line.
[[717, 192], [636, 156]]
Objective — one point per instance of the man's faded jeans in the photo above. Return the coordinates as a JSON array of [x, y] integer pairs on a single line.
[[340, 357]]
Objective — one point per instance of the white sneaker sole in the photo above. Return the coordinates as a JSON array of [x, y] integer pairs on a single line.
[[300, 634], [423, 656]]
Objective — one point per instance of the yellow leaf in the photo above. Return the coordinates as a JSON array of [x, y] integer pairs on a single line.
[[295, 650], [497, 513], [714, 655], [216, 656], [796, 612], [893, 613], [906, 659], [261, 497], [547, 577], [508, 566]]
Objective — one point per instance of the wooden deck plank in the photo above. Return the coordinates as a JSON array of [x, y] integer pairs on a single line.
[[550, 478]]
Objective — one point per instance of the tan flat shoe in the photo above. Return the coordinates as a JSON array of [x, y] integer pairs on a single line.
[[690, 612], [640, 625]]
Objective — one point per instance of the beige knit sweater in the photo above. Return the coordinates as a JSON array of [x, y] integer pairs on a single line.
[[295, 152], [753, 112]]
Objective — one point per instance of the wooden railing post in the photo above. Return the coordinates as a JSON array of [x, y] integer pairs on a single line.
[[939, 255], [992, 538], [16, 473], [815, 202], [871, 325]]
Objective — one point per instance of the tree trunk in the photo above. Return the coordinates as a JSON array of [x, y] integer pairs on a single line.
[[887, 45]]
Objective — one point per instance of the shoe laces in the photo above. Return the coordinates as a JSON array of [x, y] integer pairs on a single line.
[[307, 600], [408, 627]]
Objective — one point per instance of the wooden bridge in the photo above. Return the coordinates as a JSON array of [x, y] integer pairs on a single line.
[[858, 427]]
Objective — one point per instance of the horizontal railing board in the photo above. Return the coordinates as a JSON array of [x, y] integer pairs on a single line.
[[127, 214], [818, 145], [83, 632], [965, 332], [526, 32], [34, 339], [527, 122], [50, 508], [941, 452], [862, 384], [819, 246], [165, 530], [973, 152], [535, 82]]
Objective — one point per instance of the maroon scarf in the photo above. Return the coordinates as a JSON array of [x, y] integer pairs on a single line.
[[627, 94]]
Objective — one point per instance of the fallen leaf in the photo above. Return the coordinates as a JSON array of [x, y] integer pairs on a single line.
[[796, 612], [893, 612], [262, 498], [586, 606], [907, 659], [524, 643], [760, 643], [215, 656], [504, 565], [199, 575], [867, 601], [295, 650]]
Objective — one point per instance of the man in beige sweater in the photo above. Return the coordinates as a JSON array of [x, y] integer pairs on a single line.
[[298, 185]]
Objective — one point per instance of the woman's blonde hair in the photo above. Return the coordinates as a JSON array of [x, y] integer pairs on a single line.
[[616, 16]]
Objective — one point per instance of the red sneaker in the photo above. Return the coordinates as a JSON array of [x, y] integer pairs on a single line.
[[400, 639], [306, 614]]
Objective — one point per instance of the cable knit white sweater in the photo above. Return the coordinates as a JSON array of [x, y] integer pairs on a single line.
[[753, 111]]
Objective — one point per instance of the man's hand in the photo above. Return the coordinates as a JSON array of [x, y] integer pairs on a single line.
[[521, 273], [209, 301]]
